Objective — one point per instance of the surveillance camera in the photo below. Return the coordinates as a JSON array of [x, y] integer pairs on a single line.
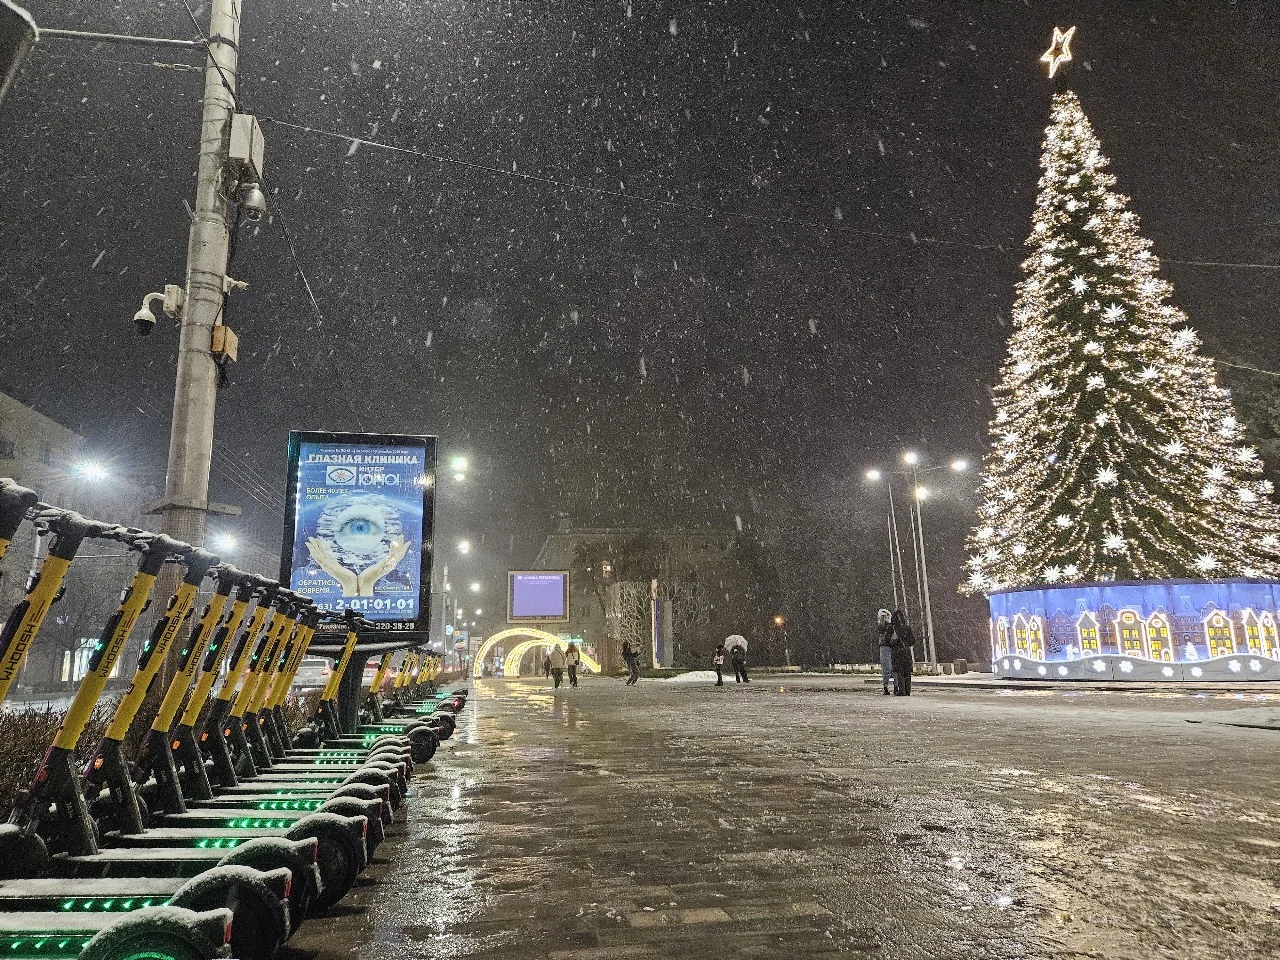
[[145, 321], [253, 203]]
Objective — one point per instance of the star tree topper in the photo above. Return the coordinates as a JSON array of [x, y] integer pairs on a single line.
[[1059, 51]]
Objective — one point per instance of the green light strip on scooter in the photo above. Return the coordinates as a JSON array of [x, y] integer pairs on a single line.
[[108, 904], [43, 944], [258, 823], [217, 843], [306, 805]]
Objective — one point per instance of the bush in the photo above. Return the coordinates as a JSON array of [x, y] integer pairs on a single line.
[[299, 709], [26, 732]]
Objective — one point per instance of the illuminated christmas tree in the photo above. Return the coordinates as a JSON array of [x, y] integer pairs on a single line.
[[1116, 454]]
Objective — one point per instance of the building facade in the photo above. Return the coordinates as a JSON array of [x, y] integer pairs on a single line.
[[39, 453]]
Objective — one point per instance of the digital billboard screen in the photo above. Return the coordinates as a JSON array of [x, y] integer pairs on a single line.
[[358, 526], [538, 595]]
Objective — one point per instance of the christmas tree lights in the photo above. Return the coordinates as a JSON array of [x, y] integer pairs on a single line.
[[1116, 454]]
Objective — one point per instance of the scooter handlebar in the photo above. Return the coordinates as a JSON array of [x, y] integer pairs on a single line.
[[15, 501]]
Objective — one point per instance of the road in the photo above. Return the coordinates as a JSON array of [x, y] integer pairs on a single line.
[[813, 817]]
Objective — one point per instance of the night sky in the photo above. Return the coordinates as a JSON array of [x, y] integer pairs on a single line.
[[791, 256]]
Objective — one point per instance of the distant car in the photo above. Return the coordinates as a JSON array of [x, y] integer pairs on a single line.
[[313, 672]]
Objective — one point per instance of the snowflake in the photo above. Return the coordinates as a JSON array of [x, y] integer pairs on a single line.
[[1270, 542], [1101, 419], [1019, 549], [1184, 339], [1070, 571], [1073, 180], [1072, 205], [977, 580], [1126, 666], [1044, 390], [1112, 201], [1093, 348], [1006, 495], [1113, 313], [1206, 563], [1175, 448], [986, 533], [1150, 286], [1209, 491], [1009, 456], [1233, 666], [1100, 666], [1106, 477], [1251, 572], [1246, 455], [1022, 368], [1096, 382], [1246, 495], [1079, 284], [1062, 520], [1229, 422], [1052, 574], [1267, 487], [1049, 261], [1217, 474], [1114, 543], [1149, 373]]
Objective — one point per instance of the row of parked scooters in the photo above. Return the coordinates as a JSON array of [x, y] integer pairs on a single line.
[[223, 833]]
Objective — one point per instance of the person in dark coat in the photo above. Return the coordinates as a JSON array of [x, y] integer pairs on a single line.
[[884, 634], [633, 663], [717, 661], [904, 639], [739, 657]]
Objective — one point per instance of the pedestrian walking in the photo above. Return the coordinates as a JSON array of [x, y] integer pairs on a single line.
[[633, 663], [884, 634], [739, 657], [572, 660], [904, 639], [557, 661], [717, 661], [546, 663]]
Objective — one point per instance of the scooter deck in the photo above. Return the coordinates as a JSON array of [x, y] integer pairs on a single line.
[[214, 838], [139, 862], [107, 894]]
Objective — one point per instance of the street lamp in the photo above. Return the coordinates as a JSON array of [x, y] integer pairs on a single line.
[[458, 464], [464, 546], [223, 543], [916, 513], [90, 470]]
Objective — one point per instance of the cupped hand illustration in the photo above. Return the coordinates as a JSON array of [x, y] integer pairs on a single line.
[[326, 561], [371, 575]]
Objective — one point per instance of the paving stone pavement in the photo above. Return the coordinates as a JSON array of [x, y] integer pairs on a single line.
[[791, 818]]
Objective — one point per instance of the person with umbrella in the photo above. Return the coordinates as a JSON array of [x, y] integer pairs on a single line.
[[738, 656]]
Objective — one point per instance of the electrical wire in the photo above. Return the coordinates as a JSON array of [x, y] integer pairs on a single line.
[[293, 255], [1241, 366], [634, 197]]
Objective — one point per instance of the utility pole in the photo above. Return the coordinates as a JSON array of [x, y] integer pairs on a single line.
[[186, 499]]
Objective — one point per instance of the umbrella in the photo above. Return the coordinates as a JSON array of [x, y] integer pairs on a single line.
[[735, 640]]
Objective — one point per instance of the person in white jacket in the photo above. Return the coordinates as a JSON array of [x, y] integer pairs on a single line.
[[557, 665]]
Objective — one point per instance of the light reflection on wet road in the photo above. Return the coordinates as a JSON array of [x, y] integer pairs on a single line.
[[818, 818]]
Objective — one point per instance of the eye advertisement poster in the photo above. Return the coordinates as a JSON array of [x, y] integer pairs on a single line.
[[359, 525]]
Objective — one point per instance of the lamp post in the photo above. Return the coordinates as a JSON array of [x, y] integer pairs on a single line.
[[781, 623], [914, 470]]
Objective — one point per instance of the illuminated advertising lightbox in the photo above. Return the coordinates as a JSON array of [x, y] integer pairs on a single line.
[[538, 596], [358, 525], [1154, 630]]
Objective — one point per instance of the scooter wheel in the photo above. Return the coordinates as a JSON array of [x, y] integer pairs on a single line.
[[23, 856], [340, 857], [371, 810], [271, 853], [168, 932], [424, 743], [261, 920]]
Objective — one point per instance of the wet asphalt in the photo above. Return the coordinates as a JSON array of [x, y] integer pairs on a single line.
[[816, 817]]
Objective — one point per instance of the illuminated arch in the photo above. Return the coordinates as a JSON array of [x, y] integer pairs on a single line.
[[511, 663]]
